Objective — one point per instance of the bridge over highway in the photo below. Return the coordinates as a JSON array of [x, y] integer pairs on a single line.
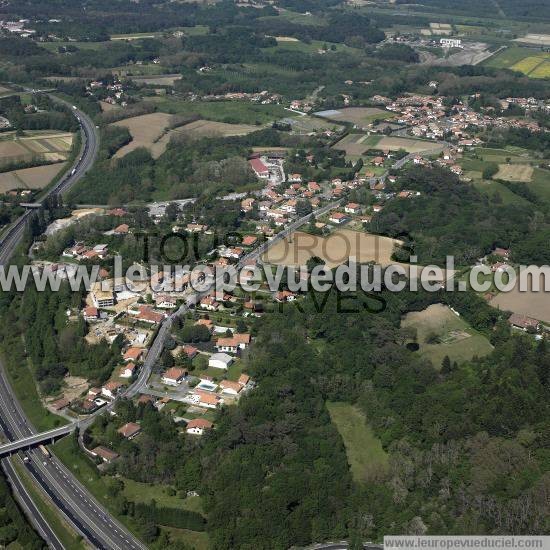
[[36, 439]]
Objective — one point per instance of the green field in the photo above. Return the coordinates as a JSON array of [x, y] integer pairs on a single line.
[[306, 124], [312, 47], [491, 188], [508, 57], [367, 459], [192, 539], [54, 46], [163, 495], [540, 183], [531, 62], [441, 332], [232, 112]]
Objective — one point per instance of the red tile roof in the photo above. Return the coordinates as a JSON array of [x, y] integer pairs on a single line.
[[129, 430]]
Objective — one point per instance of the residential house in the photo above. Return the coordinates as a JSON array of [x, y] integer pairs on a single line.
[[163, 301], [103, 298], [173, 376], [352, 208], [129, 430], [196, 228], [230, 388], [207, 399], [208, 323], [247, 204], [244, 379], [259, 168], [249, 240], [233, 344], [148, 315], [502, 252], [338, 218], [209, 303], [106, 454], [285, 296], [523, 322], [190, 351], [220, 361], [128, 370], [117, 212], [90, 313], [314, 187], [133, 354], [197, 426], [111, 389], [145, 399], [121, 229]]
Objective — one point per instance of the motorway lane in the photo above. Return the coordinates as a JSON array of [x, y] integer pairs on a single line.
[[25, 501], [74, 501]]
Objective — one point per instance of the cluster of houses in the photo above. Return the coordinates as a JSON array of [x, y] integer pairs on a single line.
[[79, 251], [17, 27], [263, 98], [426, 117], [114, 91], [527, 103]]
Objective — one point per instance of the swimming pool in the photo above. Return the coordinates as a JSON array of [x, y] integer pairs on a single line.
[[207, 386]]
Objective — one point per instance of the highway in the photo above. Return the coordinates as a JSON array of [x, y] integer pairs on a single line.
[[27, 504], [79, 507]]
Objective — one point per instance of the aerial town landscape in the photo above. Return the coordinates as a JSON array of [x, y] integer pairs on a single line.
[[182, 184]]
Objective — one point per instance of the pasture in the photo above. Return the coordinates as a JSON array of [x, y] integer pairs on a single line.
[[515, 172], [306, 124], [533, 304], [29, 178], [534, 64], [508, 57], [231, 112], [50, 146], [441, 332], [153, 132], [208, 128], [359, 144], [541, 40], [367, 459], [360, 116], [355, 144], [540, 183], [156, 80], [408, 144], [491, 188], [334, 250], [146, 131]]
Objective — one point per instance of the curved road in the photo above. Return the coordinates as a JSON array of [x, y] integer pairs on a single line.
[[79, 507]]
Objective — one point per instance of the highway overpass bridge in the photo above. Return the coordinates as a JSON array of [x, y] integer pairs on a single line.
[[36, 439]]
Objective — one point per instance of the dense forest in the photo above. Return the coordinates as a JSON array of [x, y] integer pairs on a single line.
[[456, 435], [453, 218], [526, 9]]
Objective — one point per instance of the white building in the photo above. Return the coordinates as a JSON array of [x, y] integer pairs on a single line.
[[220, 361], [451, 43]]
